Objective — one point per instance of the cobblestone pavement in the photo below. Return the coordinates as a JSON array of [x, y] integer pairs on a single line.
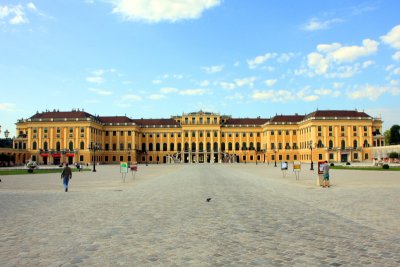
[[256, 217]]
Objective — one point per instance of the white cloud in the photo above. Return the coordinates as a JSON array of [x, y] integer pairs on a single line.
[[392, 38], [373, 92], [193, 92], [337, 85], [285, 57], [318, 62], [306, 96], [7, 106], [95, 79], [31, 6], [13, 14], [168, 90], [396, 71], [271, 82], [156, 96], [100, 91], [98, 72], [204, 83], [248, 81], [227, 86], [154, 11], [273, 95], [254, 63], [327, 92], [213, 69], [131, 97], [316, 24], [236, 64], [396, 56], [351, 53], [235, 96], [157, 81], [367, 63]]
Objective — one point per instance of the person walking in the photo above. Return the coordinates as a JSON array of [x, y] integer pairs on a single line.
[[326, 174], [66, 175]]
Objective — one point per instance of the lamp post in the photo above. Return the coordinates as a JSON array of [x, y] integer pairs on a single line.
[[94, 147], [146, 156], [275, 157], [6, 133], [312, 163]]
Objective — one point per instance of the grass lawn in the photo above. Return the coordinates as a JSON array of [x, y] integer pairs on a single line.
[[372, 168], [25, 171]]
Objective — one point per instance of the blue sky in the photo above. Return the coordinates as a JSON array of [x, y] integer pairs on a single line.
[[157, 58]]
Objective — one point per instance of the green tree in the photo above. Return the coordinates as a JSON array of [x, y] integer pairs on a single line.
[[386, 134], [394, 135]]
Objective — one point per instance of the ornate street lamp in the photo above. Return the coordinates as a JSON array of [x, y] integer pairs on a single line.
[[6, 133], [94, 147], [275, 157], [311, 148]]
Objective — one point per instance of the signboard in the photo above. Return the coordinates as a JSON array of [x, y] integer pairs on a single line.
[[284, 165], [321, 167], [296, 166], [123, 167]]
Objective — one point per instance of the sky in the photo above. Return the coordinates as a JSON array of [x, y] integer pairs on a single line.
[[161, 58]]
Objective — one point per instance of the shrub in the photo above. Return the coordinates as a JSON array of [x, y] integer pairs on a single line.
[[332, 164], [385, 166], [347, 163], [30, 170]]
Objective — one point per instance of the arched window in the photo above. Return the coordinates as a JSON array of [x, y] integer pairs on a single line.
[[251, 146], [165, 147], [45, 146], [193, 146], [157, 146], [237, 146], [208, 147], [151, 147], [366, 143], [355, 144], [215, 146], [179, 147], [71, 145], [34, 145], [343, 144], [223, 146], [320, 144], [330, 144], [230, 146], [244, 146], [82, 145], [201, 147], [186, 146], [258, 146], [143, 147], [171, 147]]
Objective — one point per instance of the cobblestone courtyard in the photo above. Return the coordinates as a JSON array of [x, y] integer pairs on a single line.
[[256, 217]]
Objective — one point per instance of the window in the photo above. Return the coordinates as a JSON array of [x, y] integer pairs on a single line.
[[237, 134], [165, 135], [171, 147], [280, 157], [186, 134], [193, 134], [107, 147], [172, 134], [193, 120], [251, 134], [223, 134], [46, 130], [186, 120], [114, 133], [129, 133], [272, 132], [208, 134], [279, 145], [229, 146], [201, 134], [71, 145], [330, 144], [366, 155], [215, 120], [215, 134], [114, 158], [258, 134], [244, 134], [287, 132], [121, 158], [294, 132], [319, 156], [114, 146], [355, 144], [272, 145], [331, 156], [158, 147], [121, 133], [237, 146], [287, 157], [34, 145], [82, 145], [201, 120], [129, 146], [279, 132], [319, 128], [121, 146]]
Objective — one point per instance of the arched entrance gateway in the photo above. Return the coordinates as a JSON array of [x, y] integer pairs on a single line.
[[53, 137]]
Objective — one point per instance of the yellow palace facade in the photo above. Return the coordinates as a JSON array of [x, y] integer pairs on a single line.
[[53, 137]]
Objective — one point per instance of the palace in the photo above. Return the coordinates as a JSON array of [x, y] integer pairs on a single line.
[[53, 137]]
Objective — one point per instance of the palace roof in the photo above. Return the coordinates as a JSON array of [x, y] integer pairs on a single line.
[[246, 121], [115, 119], [61, 115], [337, 114], [157, 122], [287, 118]]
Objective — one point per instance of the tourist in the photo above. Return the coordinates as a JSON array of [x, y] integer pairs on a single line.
[[66, 175], [326, 174]]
